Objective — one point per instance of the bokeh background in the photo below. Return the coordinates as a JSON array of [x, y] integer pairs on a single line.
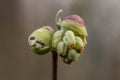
[[99, 61]]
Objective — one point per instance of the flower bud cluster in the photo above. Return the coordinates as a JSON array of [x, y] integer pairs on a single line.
[[67, 45], [69, 41]]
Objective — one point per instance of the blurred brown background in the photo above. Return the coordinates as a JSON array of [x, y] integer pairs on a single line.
[[99, 61]]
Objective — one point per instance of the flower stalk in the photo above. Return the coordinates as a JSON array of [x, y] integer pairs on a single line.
[[55, 66]]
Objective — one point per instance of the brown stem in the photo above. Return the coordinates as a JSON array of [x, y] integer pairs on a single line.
[[55, 65]]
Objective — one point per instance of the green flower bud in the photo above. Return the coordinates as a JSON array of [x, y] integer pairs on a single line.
[[57, 37], [69, 39], [79, 46], [72, 56], [62, 49], [40, 40]]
